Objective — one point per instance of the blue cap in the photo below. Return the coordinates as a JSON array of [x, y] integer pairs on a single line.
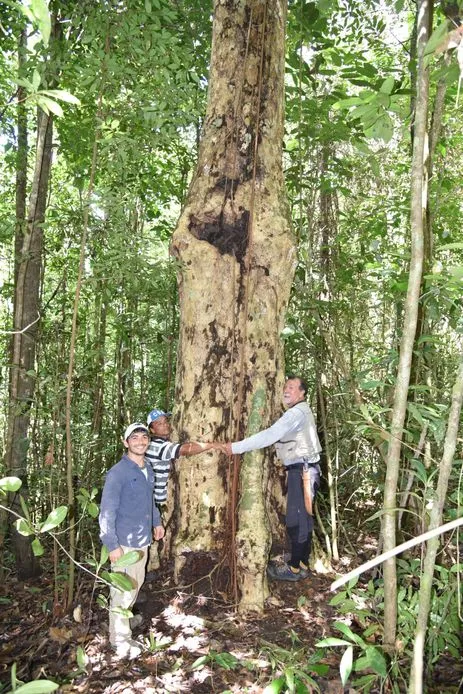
[[155, 414]]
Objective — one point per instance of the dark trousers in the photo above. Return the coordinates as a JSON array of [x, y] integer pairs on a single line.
[[299, 524]]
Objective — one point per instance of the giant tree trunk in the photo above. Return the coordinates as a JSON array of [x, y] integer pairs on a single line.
[[237, 260], [417, 223]]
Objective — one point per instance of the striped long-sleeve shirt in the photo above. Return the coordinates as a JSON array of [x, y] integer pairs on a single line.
[[160, 455]]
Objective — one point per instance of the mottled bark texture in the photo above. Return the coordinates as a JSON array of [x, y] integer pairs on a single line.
[[237, 260], [418, 199]]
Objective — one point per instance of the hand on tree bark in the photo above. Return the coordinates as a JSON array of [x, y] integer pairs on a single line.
[[224, 447]]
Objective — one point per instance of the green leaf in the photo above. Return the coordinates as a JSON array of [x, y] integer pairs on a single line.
[[345, 666], [338, 599], [93, 509], [37, 548], [61, 94], [10, 484], [104, 554], [332, 641], [124, 612], [48, 105], [275, 686], [23, 527], [36, 79], [387, 86], [121, 581], [199, 662], [381, 129], [347, 103], [81, 658], [127, 559], [37, 687], [376, 660], [344, 629], [458, 245], [436, 38], [25, 509], [39, 9], [54, 519]]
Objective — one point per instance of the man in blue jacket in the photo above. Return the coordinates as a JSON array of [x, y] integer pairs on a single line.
[[128, 521]]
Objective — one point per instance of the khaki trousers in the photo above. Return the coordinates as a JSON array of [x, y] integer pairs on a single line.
[[119, 626]]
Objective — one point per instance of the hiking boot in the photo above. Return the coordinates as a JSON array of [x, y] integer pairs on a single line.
[[128, 649], [282, 572], [136, 621]]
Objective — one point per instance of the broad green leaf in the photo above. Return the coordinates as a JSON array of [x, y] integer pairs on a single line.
[[347, 103], [289, 674], [338, 599], [104, 554], [458, 245], [199, 662], [37, 548], [48, 105], [23, 527], [54, 519], [24, 508], [35, 80], [347, 631], [24, 82], [381, 129], [81, 658], [121, 581], [275, 686], [93, 509], [39, 9], [436, 38], [345, 666], [10, 484], [127, 559], [37, 687], [61, 94], [387, 86], [372, 660]]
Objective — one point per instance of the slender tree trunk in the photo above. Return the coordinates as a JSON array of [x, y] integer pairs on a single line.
[[20, 212], [72, 345], [26, 317], [417, 219], [237, 262], [416, 675]]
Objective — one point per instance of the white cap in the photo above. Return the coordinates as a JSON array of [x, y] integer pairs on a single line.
[[134, 427]]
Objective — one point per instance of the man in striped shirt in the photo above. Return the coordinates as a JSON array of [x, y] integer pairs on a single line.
[[162, 452]]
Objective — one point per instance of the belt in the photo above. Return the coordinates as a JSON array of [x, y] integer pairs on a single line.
[[301, 466]]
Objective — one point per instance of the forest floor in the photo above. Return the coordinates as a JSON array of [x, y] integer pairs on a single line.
[[180, 627]]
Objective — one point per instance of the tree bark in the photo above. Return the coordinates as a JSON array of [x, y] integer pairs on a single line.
[[20, 213], [25, 326], [237, 260], [416, 675], [417, 223]]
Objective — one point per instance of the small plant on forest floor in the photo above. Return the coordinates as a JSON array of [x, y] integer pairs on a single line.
[[294, 668], [364, 605], [371, 658], [35, 687]]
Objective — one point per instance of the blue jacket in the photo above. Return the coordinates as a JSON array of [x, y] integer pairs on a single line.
[[127, 513]]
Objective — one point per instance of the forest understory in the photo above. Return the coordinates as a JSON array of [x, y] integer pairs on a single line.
[[195, 640]]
